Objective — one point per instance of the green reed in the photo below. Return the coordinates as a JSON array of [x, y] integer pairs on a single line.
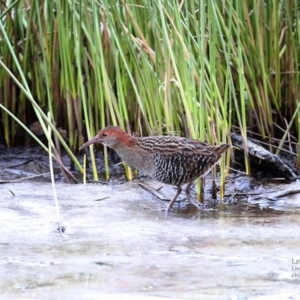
[[195, 68]]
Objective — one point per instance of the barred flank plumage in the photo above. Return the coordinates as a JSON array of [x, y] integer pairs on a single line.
[[178, 160], [169, 159]]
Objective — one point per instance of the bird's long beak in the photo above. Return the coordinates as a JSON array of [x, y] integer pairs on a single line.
[[94, 140]]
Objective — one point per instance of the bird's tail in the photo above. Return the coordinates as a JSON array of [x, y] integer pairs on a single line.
[[222, 149]]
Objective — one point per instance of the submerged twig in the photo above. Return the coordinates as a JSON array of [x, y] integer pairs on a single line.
[[153, 192], [287, 192]]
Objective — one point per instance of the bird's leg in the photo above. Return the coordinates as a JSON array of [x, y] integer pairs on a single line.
[[188, 193], [179, 189], [188, 189]]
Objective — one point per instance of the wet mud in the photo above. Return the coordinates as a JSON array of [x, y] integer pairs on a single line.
[[119, 243]]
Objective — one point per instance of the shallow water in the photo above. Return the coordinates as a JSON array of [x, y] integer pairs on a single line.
[[126, 246]]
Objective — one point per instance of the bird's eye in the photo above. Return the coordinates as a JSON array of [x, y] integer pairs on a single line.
[[104, 134]]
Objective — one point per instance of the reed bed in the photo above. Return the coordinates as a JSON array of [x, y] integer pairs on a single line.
[[201, 69]]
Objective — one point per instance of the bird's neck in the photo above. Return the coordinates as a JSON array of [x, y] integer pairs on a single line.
[[124, 143], [125, 147]]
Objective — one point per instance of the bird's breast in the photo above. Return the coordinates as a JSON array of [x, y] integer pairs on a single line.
[[138, 160]]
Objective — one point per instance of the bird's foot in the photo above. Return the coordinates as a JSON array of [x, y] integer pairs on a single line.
[[199, 205]]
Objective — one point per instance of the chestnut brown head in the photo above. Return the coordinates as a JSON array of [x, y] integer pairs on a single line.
[[109, 136]]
